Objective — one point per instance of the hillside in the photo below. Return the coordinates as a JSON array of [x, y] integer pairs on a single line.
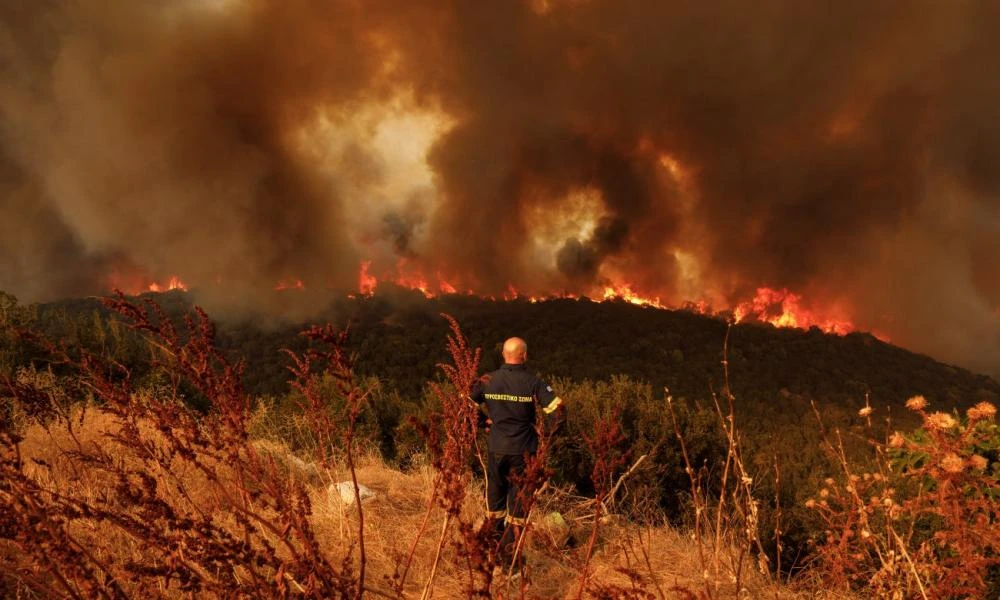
[[397, 335]]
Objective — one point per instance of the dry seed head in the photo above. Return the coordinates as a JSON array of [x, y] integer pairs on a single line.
[[829, 481], [952, 463], [864, 412], [978, 463], [823, 493], [916, 403], [982, 410], [896, 440], [940, 420], [810, 503]]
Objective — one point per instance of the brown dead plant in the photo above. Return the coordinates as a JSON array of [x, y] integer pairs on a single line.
[[234, 524]]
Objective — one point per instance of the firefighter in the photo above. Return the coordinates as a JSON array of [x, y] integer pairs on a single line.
[[511, 395]]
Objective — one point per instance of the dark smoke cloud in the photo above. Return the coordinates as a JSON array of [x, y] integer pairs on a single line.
[[849, 152], [581, 260]]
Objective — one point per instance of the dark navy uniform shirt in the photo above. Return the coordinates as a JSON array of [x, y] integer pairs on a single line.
[[511, 395]]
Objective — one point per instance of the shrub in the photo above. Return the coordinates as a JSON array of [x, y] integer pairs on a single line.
[[923, 520]]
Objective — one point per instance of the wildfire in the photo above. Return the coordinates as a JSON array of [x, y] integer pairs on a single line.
[[366, 281], [779, 307], [624, 292], [132, 282], [406, 276], [782, 308], [174, 283]]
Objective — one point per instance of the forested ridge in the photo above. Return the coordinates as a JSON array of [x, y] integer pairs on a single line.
[[397, 336]]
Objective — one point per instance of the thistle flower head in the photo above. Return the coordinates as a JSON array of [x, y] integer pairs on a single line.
[[978, 463], [916, 403], [982, 410], [940, 420], [952, 463]]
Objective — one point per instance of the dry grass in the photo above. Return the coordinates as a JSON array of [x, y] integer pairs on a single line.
[[663, 557]]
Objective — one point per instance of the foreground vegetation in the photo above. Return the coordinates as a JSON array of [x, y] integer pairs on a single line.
[[116, 485]]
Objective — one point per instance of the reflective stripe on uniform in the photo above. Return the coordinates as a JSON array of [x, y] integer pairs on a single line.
[[551, 408], [496, 514], [508, 397]]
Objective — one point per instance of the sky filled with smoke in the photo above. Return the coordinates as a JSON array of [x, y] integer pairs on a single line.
[[848, 152]]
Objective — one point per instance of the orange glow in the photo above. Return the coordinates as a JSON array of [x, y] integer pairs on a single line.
[[366, 281], [132, 282], [405, 275], [409, 277], [446, 288], [174, 283], [624, 292], [781, 308]]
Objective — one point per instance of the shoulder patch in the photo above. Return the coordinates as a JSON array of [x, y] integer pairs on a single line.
[[548, 388]]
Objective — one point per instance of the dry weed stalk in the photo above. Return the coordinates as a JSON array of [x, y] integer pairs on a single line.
[[451, 436], [608, 458], [253, 536], [922, 521], [736, 511], [333, 361], [699, 499]]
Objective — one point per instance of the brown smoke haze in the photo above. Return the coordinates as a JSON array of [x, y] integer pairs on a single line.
[[847, 151]]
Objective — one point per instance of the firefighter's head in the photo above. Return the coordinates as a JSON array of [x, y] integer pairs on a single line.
[[515, 351]]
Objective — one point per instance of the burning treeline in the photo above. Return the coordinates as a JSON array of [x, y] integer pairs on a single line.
[[686, 152]]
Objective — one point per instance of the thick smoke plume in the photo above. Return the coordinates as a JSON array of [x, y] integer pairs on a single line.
[[695, 151]]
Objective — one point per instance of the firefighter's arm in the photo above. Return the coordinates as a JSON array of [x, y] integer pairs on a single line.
[[555, 415], [553, 407]]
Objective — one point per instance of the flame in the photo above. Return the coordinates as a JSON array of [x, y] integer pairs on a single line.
[[133, 282], [174, 283], [366, 282], [446, 288], [624, 292], [779, 307], [405, 275], [782, 308]]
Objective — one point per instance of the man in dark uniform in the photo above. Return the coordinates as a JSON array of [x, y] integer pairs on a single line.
[[511, 395]]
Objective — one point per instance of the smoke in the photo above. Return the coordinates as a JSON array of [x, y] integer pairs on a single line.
[[696, 151]]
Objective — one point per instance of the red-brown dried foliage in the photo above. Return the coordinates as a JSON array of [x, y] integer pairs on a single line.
[[256, 540]]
